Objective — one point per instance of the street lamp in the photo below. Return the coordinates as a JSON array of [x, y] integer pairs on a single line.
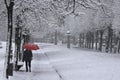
[[9, 65], [68, 39]]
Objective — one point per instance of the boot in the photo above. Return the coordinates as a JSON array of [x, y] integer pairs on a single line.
[[30, 69], [26, 69]]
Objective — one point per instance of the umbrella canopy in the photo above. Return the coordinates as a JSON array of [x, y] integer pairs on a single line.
[[30, 46]]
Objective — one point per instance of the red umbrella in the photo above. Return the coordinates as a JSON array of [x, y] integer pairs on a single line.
[[30, 46]]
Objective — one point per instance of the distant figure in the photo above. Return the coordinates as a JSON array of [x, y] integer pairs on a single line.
[[27, 57]]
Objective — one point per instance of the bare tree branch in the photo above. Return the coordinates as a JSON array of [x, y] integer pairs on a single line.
[[85, 5], [73, 6], [6, 4]]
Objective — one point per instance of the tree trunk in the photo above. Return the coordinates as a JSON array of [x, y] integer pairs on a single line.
[[109, 40], [80, 37], [115, 43], [93, 40], [9, 71], [96, 40], [119, 45], [101, 40], [83, 37], [56, 37], [85, 40]]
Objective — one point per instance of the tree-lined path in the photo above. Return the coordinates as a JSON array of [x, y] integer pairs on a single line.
[[59, 63]]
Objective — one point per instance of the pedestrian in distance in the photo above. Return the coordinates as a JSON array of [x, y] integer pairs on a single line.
[[27, 57]]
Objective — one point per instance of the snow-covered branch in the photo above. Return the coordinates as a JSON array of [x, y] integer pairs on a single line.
[[6, 3]]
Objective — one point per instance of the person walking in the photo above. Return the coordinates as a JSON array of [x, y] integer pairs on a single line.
[[27, 57]]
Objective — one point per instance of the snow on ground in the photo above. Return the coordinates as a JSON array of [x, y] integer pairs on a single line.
[[59, 63], [2, 56], [85, 65]]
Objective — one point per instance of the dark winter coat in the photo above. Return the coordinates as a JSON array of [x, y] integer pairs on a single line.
[[27, 55]]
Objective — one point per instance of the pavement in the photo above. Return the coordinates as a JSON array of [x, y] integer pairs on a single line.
[[41, 70]]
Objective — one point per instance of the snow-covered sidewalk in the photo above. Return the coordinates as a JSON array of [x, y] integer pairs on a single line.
[[59, 63], [41, 69]]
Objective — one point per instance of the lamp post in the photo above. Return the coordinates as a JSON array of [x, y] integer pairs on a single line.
[[9, 66], [68, 39]]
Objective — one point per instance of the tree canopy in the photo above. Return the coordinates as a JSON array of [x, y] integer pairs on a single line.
[[43, 17]]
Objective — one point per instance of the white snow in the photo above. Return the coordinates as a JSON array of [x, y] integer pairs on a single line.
[[59, 63]]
